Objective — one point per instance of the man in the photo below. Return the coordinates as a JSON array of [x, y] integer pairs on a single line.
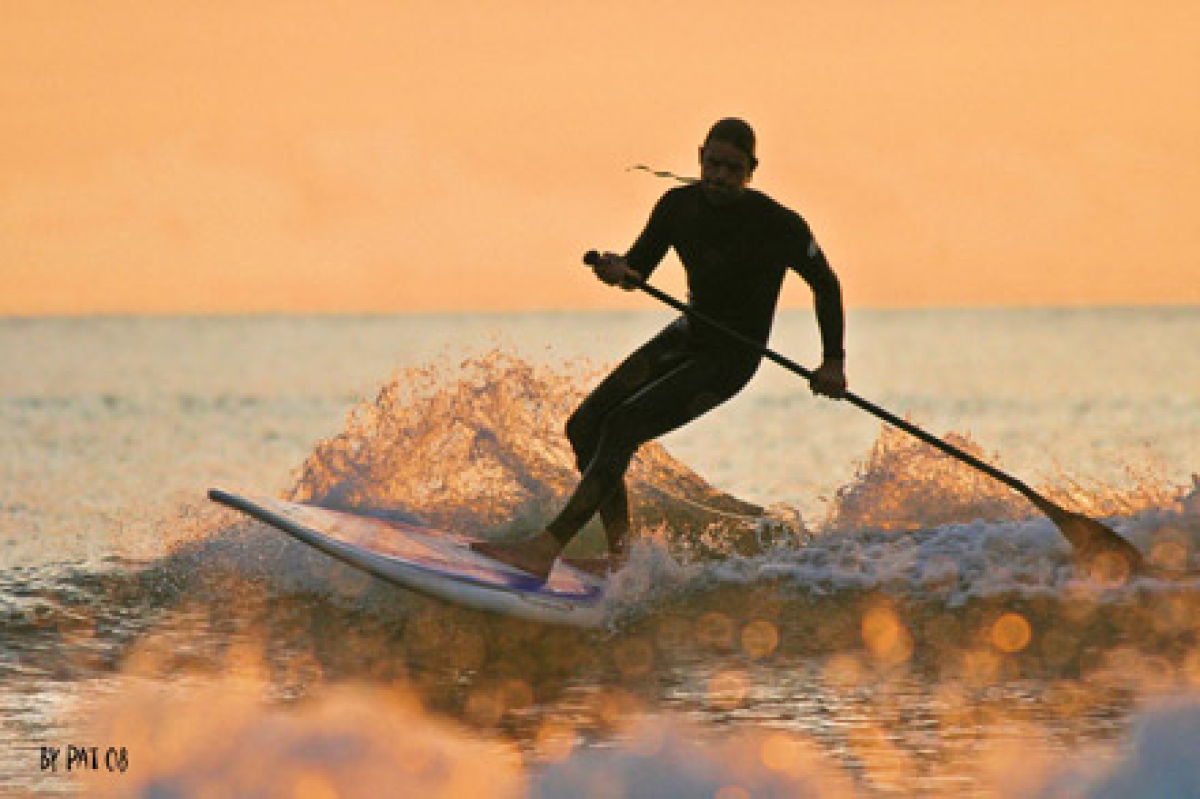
[[736, 245]]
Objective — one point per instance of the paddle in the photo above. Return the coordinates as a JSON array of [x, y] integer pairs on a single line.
[[1098, 546]]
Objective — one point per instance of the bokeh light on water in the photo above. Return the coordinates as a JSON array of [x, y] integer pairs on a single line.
[[727, 685], [869, 691]]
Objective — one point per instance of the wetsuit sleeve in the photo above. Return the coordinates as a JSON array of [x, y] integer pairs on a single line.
[[650, 248], [809, 262]]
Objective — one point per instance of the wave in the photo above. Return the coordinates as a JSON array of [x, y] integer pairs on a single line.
[[479, 447]]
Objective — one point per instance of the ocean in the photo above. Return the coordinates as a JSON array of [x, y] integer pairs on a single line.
[[815, 605]]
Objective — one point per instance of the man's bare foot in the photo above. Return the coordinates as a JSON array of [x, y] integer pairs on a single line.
[[534, 555]]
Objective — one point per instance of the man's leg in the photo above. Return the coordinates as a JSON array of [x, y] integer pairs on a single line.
[[585, 430], [650, 362], [697, 385], [614, 515]]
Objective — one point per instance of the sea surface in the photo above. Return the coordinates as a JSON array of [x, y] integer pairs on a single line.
[[815, 605]]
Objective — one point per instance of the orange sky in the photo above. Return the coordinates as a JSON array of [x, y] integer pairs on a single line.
[[400, 156]]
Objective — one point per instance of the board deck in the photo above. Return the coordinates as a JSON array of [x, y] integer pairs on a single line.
[[432, 562]]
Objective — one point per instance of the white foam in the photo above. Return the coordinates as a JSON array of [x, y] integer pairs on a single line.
[[955, 563]]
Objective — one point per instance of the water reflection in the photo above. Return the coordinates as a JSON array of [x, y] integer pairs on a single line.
[[886, 694]]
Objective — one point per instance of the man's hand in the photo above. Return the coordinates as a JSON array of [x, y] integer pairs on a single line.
[[830, 378], [613, 270]]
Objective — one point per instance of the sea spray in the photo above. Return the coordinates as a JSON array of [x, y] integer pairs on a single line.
[[480, 448], [905, 484]]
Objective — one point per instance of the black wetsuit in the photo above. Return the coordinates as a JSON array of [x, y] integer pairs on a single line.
[[735, 257]]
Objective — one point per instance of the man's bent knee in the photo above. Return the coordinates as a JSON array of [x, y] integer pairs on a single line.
[[584, 435]]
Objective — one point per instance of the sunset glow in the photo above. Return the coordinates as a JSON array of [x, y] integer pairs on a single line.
[[418, 156]]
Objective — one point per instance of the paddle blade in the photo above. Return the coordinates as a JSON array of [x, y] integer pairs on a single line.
[[1106, 555]]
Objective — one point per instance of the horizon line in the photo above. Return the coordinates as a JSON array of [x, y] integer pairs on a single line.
[[348, 313]]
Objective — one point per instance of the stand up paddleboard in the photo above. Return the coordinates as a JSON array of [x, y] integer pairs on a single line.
[[432, 562]]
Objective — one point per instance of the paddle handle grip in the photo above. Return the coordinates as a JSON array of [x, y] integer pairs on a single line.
[[592, 258]]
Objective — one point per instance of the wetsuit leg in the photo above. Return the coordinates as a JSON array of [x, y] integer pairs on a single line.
[[652, 360], [614, 516], [687, 385]]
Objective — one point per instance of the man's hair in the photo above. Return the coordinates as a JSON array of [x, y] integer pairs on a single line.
[[736, 132]]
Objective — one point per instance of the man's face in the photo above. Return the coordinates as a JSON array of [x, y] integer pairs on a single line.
[[724, 172]]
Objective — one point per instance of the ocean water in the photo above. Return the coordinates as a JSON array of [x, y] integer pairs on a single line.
[[815, 605]]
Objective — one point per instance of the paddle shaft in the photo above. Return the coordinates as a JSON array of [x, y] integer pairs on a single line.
[[787, 363]]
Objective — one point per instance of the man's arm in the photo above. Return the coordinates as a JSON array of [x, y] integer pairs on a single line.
[[652, 245], [645, 254], [829, 378]]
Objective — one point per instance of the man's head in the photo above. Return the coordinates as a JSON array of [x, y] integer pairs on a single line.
[[727, 160]]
